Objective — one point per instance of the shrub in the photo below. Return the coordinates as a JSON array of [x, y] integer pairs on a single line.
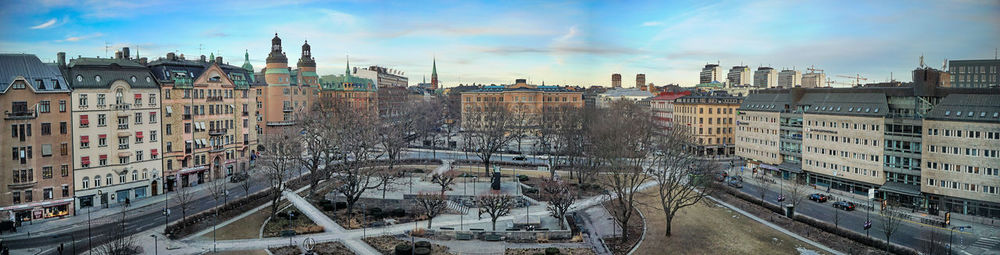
[[551, 251], [328, 207], [398, 212], [522, 178], [341, 205], [375, 212], [530, 190]]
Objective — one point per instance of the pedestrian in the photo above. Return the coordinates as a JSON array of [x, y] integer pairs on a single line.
[[128, 202]]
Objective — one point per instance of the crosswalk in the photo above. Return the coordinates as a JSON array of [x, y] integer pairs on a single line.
[[987, 243]]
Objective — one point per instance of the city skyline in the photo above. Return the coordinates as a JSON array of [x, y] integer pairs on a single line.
[[576, 43]]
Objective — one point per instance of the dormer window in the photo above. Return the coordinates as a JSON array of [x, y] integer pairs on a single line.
[[97, 78], [133, 79], [119, 96], [947, 113], [79, 78]]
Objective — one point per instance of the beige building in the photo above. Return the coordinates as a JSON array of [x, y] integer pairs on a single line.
[[710, 119], [844, 141], [531, 100], [961, 159], [116, 130], [288, 92], [36, 183]]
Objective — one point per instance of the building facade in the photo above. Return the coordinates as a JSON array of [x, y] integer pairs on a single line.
[[710, 73], [662, 108], [813, 80], [531, 100], [116, 131], [616, 80], [905, 142], [739, 76], [765, 77], [208, 129], [353, 91], [981, 73], [640, 81], [709, 118], [37, 178], [604, 100], [288, 93], [789, 78]]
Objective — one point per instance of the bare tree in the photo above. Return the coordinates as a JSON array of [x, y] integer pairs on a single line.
[[356, 143], [316, 145], [279, 157], [120, 242], [183, 198], [933, 242], [571, 140], [622, 153], [444, 180], [891, 220], [797, 191], [679, 174], [247, 183], [393, 140], [763, 185], [560, 196], [495, 205], [219, 191], [488, 129], [431, 205]]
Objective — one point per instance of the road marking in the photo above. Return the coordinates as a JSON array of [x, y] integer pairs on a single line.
[[986, 243]]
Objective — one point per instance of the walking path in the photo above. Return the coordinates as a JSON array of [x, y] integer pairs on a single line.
[[328, 225]]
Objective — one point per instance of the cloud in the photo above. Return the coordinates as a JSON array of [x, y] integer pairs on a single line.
[[652, 24], [569, 35], [338, 18], [80, 38], [595, 50], [214, 33], [47, 24]]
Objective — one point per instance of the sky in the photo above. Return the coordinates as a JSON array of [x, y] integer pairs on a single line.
[[555, 42]]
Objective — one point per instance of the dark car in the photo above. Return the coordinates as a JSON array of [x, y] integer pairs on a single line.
[[736, 184], [818, 197], [519, 158], [238, 177], [847, 206]]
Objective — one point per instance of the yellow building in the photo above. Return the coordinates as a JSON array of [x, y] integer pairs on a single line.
[[709, 118]]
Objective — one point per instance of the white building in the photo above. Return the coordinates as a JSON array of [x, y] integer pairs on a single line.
[[631, 94], [710, 73], [116, 131], [765, 77], [739, 75]]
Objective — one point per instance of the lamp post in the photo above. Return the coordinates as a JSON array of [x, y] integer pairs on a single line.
[[90, 244], [155, 249]]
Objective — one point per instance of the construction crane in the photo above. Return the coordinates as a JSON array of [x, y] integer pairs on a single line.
[[813, 70], [857, 78], [830, 82]]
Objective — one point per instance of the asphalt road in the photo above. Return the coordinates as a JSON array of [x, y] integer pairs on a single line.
[[908, 234]]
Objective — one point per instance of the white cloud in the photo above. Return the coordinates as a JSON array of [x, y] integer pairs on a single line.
[[47, 24], [338, 18], [569, 35], [80, 38]]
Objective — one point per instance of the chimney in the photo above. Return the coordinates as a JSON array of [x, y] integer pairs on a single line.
[[218, 60], [61, 58], [171, 56], [125, 53], [203, 58]]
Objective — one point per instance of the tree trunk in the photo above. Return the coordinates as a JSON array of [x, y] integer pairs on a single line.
[[429, 220], [486, 168], [494, 224], [667, 232]]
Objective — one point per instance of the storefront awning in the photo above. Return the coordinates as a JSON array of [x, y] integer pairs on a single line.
[[192, 169], [37, 204], [900, 188], [769, 167], [790, 167]]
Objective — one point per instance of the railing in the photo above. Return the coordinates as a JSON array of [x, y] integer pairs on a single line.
[[21, 185], [121, 107], [213, 98], [287, 109], [217, 131], [20, 115]]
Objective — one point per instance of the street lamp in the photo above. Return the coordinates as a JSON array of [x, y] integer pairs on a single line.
[[155, 249]]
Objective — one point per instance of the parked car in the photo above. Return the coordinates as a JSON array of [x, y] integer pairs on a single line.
[[720, 177], [519, 158], [847, 206], [818, 197], [736, 184], [238, 177]]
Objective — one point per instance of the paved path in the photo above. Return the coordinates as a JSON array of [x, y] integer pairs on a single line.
[[328, 225]]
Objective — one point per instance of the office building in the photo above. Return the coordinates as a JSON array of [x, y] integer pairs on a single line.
[[980, 73], [765, 77], [710, 73], [789, 78], [739, 76]]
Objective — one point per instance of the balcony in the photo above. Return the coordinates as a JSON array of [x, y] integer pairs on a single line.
[[21, 185], [121, 107], [217, 131], [287, 109], [187, 116], [281, 123], [213, 99], [21, 115]]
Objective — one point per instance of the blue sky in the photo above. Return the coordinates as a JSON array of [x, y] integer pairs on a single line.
[[559, 42]]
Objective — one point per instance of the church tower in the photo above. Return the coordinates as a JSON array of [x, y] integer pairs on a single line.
[[307, 67], [434, 75], [276, 72]]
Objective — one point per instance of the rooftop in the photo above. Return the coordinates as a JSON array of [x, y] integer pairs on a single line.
[[33, 70]]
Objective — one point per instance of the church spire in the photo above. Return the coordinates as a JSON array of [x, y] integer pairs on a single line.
[[347, 72]]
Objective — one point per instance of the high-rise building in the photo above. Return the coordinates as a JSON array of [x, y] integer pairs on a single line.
[[739, 76], [640, 80], [116, 130], [789, 78], [37, 178], [710, 73], [765, 77], [981, 73], [616, 80], [921, 145], [813, 80]]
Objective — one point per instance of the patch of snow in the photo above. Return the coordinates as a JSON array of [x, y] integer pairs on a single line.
[[804, 251]]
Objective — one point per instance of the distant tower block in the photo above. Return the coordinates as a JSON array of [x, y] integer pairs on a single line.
[[640, 80], [616, 80]]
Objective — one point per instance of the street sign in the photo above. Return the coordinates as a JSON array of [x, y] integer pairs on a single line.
[[868, 224], [871, 194]]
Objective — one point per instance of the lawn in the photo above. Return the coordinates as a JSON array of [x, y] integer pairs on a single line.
[[300, 223], [711, 229], [245, 228]]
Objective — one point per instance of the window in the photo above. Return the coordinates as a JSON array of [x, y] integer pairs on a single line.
[[102, 140], [168, 129], [119, 96], [27, 196], [121, 178], [135, 175], [152, 117], [84, 142], [108, 178], [64, 170], [138, 118], [43, 106], [63, 129], [102, 120], [65, 191], [83, 101], [152, 136], [46, 128], [100, 100], [123, 122], [138, 155], [123, 143], [47, 172], [62, 105], [152, 99]]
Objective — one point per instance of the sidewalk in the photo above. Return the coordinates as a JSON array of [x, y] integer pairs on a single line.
[[98, 215]]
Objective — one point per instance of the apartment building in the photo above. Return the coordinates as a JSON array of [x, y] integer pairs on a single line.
[[709, 117], [893, 139], [765, 77], [662, 108], [356, 92], [116, 130], [208, 129], [36, 180], [789, 78], [961, 155]]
